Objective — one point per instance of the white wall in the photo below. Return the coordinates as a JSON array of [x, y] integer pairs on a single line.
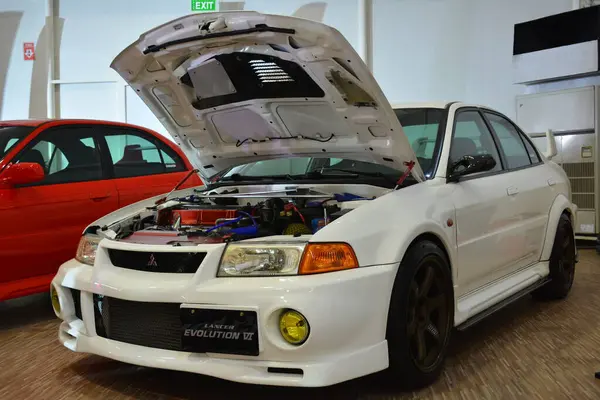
[[15, 102], [452, 49], [490, 38], [419, 49]]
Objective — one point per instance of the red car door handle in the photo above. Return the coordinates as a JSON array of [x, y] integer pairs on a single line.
[[98, 197]]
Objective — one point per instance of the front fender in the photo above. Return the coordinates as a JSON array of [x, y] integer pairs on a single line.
[[561, 204], [382, 230]]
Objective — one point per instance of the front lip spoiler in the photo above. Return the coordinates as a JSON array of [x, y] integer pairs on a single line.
[[257, 29]]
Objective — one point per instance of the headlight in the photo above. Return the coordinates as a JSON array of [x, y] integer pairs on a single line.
[[261, 259], [86, 250], [272, 259]]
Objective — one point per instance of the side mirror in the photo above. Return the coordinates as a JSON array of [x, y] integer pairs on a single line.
[[22, 174], [467, 165], [551, 151]]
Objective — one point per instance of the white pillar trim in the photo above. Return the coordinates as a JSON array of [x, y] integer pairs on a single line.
[[365, 32]]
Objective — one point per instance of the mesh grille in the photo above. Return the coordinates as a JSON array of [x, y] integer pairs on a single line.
[[175, 263], [156, 325], [584, 201], [583, 183], [579, 170]]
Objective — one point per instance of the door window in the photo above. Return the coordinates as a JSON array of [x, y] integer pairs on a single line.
[[472, 137], [510, 141], [135, 155], [67, 155]]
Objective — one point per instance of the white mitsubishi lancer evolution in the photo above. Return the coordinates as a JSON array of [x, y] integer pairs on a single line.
[[336, 235]]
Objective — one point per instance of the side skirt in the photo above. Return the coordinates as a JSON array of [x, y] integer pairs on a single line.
[[498, 306]]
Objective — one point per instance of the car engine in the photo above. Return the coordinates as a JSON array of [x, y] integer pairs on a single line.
[[232, 216]]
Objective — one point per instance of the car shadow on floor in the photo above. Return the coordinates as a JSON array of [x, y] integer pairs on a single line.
[[17, 313], [140, 382]]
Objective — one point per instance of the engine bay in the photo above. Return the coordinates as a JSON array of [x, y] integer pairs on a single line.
[[229, 215]]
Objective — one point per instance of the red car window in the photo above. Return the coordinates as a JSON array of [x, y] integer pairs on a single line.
[[66, 156], [132, 155], [11, 135]]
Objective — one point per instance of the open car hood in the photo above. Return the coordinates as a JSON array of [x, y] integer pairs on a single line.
[[237, 87]]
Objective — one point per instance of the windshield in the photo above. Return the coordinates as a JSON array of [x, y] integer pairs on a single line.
[[421, 126], [309, 168], [10, 136]]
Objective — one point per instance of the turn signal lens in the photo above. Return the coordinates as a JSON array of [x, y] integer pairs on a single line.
[[55, 300], [293, 327], [327, 257], [86, 250]]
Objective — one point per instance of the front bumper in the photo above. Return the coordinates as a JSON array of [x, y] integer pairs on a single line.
[[347, 312]]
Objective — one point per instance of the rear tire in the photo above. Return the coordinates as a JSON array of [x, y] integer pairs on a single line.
[[421, 316], [562, 263]]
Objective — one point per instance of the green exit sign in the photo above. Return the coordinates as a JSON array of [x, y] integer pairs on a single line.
[[204, 5]]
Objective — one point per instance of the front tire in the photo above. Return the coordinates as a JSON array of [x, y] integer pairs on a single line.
[[421, 316], [562, 263]]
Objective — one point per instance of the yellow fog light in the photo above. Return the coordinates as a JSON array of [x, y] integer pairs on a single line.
[[55, 300], [293, 327]]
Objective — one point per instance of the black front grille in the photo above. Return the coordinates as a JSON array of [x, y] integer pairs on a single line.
[[156, 325], [76, 294], [174, 263]]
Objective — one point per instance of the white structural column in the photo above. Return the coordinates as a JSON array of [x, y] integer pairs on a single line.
[[365, 32], [51, 29]]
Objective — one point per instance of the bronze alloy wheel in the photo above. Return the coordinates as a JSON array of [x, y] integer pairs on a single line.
[[427, 325], [421, 316], [566, 264], [561, 264]]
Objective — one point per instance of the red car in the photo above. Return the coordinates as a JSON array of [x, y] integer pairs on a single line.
[[57, 176]]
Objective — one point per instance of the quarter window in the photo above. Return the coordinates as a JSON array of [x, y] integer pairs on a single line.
[[533, 155], [510, 141], [67, 155], [472, 137], [421, 127], [133, 155]]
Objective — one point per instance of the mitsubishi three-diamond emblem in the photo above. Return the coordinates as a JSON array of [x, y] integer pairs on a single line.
[[152, 261]]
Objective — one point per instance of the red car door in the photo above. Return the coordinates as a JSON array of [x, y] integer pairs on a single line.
[[144, 165], [41, 223]]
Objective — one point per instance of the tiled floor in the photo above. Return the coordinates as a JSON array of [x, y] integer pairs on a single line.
[[527, 351]]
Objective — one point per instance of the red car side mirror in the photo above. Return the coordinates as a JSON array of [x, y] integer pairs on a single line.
[[22, 173]]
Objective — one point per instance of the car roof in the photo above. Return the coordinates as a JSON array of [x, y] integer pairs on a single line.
[[58, 121], [23, 122], [428, 104]]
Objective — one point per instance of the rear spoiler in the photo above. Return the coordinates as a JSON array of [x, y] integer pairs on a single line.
[[551, 151]]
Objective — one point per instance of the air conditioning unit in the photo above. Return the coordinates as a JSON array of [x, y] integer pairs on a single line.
[[557, 47], [557, 59]]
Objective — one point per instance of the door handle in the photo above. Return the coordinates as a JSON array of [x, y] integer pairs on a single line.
[[511, 191], [98, 197], [551, 182]]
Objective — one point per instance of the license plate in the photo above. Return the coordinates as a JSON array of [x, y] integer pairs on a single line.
[[219, 331]]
